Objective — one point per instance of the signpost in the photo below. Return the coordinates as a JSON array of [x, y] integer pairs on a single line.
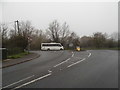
[[29, 41], [71, 45]]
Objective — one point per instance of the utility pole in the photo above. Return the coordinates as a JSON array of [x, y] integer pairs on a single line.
[[17, 26], [1, 28]]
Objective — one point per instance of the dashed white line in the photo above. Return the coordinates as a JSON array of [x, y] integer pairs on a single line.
[[32, 81], [19, 81], [76, 62]]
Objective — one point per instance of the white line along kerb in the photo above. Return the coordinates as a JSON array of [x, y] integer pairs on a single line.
[[32, 81], [18, 81]]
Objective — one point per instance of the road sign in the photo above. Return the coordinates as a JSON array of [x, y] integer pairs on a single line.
[[71, 45]]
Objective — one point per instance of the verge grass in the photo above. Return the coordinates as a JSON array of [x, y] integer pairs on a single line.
[[18, 55]]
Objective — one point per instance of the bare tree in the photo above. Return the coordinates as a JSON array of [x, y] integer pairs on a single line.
[[26, 29], [3, 32], [114, 36], [54, 31], [37, 38], [86, 41], [99, 39], [22, 37], [65, 32], [73, 40]]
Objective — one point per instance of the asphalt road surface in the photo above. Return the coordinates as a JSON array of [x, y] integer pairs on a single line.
[[65, 69]]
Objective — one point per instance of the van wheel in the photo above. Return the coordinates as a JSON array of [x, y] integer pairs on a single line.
[[48, 49], [61, 49]]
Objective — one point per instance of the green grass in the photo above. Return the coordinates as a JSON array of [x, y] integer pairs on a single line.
[[18, 55]]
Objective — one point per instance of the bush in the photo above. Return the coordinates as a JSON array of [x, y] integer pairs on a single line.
[[16, 50]]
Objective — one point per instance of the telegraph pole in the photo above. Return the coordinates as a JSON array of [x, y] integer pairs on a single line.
[[18, 25], [15, 27], [17, 22]]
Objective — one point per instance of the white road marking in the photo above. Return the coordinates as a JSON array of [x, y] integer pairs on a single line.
[[89, 55], [19, 81], [76, 62], [64, 61], [49, 71], [72, 54], [32, 81]]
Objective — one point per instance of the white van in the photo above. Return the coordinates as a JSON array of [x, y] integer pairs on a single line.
[[51, 46]]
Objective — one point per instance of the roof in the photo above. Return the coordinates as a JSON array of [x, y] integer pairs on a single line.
[[50, 43]]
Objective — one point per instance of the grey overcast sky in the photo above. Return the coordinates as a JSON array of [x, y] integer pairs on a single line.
[[83, 17]]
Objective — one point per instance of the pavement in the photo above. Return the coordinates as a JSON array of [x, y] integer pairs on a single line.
[[65, 69], [11, 62]]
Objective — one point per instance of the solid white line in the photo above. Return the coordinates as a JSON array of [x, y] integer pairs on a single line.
[[64, 61], [32, 81], [76, 62], [49, 71], [72, 54], [19, 81], [89, 55]]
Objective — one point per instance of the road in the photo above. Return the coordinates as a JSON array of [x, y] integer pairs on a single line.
[[65, 69]]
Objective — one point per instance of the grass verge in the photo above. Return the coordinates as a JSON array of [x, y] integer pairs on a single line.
[[18, 55]]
